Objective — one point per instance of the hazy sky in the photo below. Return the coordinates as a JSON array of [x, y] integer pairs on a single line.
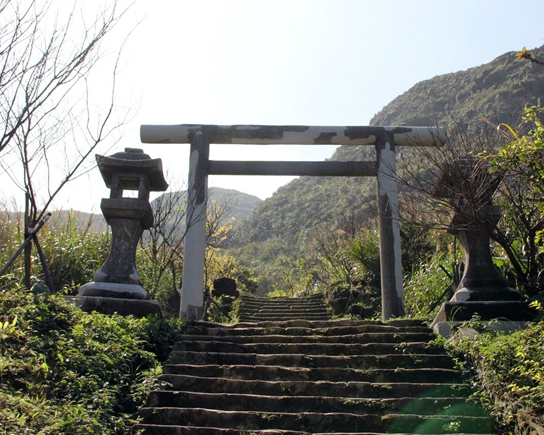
[[310, 62]]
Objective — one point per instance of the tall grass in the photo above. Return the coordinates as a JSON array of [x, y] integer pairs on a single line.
[[73, 253], [425, 288]]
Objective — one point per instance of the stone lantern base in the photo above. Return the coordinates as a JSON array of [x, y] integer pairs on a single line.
[[504, 308], [124, 307], [111, 298]]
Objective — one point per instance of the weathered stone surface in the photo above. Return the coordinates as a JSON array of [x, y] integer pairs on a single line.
[[483, 291], [225, 287], [310, 377], [255, 309], [124, 307], [302, 360], [117, 287], [113, 290]]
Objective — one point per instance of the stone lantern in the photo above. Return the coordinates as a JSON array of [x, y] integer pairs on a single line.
[[483, 290], [117, 286]]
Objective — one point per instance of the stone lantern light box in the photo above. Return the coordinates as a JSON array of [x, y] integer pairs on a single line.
[[117, 286]]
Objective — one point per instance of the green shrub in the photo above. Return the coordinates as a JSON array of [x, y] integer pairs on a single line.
[[364, 249], [64, 371], [508, 372], [424, 287]]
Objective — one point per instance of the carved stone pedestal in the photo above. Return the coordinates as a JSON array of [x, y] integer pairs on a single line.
[[483, 291]]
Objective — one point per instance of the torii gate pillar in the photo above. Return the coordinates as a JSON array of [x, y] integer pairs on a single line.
[[388, 207], [192, 296]]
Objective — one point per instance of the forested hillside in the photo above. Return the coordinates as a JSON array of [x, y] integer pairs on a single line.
[[497, 90]]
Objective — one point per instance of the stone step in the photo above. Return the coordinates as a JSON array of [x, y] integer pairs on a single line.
[[302, 377], [254, 402], [362, 362], [281, 311], [313, 388], [197, 329], [150, 429], [318, 422], [309, 324], [289, 315], [282, 317], [265, 300], [306, 348], [268, 317], [369, 337], [280, 373], [286, 303], [281, 308]]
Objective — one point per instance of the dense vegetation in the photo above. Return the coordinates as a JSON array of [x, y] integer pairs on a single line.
[[507, 371], [64, 371]]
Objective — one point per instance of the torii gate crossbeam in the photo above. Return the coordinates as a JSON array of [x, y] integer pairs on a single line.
[[385, 140]]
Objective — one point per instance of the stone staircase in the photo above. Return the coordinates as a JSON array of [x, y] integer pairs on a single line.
[[303, 376], [255, 309]]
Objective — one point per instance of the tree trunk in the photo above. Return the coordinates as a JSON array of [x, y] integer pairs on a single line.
[[28, 247]]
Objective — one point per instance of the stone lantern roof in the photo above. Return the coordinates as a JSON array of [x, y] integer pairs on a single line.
[[132, 161]]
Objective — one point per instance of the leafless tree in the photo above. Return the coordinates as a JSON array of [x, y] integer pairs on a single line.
[[163, 243], [52, 118], [456, 179]]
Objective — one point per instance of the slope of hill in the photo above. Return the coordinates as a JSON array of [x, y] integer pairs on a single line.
[[237, 205], [497, 90]]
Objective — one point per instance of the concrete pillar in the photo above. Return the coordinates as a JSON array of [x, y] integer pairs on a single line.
[[192, 288], [388, 205]]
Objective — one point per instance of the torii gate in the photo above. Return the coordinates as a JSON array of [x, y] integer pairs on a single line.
[[200, 137]]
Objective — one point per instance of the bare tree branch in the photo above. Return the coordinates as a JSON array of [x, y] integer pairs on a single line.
[[47, 118]]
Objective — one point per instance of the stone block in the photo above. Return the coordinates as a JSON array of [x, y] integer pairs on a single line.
[[123, 307]]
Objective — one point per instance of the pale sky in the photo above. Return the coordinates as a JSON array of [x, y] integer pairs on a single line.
[[303, 62]]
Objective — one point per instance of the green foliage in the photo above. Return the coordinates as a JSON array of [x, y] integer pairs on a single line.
[[303, 205], [508, 372], [64, 371], [425, 287], [161, 277], [267, 260], [220, 264], [222, 310], [419, 244], [524, 155], [520, 163], [364, 249]]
